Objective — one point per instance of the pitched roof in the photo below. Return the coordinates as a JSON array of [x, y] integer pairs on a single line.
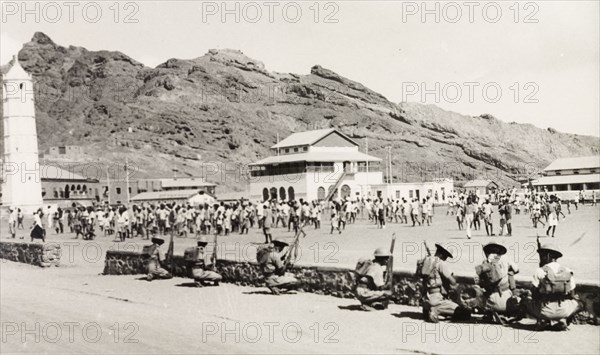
[[53, 172], [317, 157], [479, 183], [308, 138], [16, 72], [164, 195], [589, 162], [185, 182], [567, 179]]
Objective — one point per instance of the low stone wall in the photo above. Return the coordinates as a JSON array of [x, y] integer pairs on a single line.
[[40, 254], [334, 281]]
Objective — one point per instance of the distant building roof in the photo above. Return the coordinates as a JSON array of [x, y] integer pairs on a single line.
[[164, 195], [479, 183], [185, 182], [53, 172], [309, 138], [317, 157], [589, 162], [230, 196], [567, 179]]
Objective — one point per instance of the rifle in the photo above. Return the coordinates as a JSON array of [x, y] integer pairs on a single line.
[[390, 264], [427, 248], [170, 252], [293, 249], [213, 258]]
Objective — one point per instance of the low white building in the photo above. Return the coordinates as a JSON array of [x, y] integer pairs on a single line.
[[312, 164], [439, 190]]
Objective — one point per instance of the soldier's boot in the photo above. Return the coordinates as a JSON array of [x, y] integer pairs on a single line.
[[150, 277], [367, 308], [199, 284], [275, 291]]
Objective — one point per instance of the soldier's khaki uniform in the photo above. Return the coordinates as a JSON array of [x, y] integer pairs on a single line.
[[198, 272], [435, 300], [274, 272], [497, 296], [155, 271], [369, 286]]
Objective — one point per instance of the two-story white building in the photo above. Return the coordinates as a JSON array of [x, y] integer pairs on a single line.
[[313, 165]]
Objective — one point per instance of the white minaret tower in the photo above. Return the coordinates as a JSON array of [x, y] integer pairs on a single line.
[[22, 185]]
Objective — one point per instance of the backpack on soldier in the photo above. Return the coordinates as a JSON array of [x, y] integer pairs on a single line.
[[262, 253], [493, 272], [427, 269], [558, 283], [362, 266], [148, 250], [191, 254]]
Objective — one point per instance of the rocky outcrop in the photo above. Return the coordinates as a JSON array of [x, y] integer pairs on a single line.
[[228, 108], [40, 254]]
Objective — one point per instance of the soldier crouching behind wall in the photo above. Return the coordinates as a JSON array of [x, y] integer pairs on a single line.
[[553, 292], [438, 280], [155, 258], [273, 267], [494, 275], [196, 266], [371, 288]]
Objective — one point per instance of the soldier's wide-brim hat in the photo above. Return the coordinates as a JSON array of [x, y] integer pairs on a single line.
[[550, 248], [494, 248], [158, 240], [202, 242], [280, 242], [444, 250]]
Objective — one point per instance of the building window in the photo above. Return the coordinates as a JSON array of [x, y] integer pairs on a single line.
[[575, 172], [62, 150], [118, 190], [305, 149], [558, 173], [397, 194], [282, 193], [287, 150], [410, 193], [296, 150], [592, 171], [273, 193], [320, 193], [265, 194], [129, 189]]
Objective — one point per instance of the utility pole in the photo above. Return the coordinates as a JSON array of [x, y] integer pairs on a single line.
[[108, 184], [127, 179], [390, 164]]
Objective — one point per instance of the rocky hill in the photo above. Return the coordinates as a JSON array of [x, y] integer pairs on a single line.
[[225, 110]]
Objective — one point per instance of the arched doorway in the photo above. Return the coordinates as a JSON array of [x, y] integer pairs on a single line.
[[265, 194], [345, 191], [67, 191], [291, 194], [282, 193], [321, 193], [273, 193]]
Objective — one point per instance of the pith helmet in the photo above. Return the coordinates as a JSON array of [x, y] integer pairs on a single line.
[[158, 240], [280, 242], [494, 248], [443, 249], [382, 252], [550, 248]]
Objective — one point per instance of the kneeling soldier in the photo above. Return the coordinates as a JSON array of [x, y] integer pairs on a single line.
[[196, 266], [553, 292], [156, 257], [274, 268], [371, 289], [438, 280], [493, 276]]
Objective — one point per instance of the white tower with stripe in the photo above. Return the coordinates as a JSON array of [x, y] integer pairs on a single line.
[[21, 185]]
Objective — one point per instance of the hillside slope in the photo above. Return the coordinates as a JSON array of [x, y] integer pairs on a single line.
[[224, 108]]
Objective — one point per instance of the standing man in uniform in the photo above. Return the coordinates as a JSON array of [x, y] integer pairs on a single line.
[[438, 281], [267, 221], [371, 288], [156, 258], [552, 293], [487, 217], [12, 222], [274, 269]]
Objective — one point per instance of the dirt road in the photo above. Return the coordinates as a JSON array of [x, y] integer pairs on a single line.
[[62, 310]]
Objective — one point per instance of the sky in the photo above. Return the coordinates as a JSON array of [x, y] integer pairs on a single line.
[[527, 62]]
